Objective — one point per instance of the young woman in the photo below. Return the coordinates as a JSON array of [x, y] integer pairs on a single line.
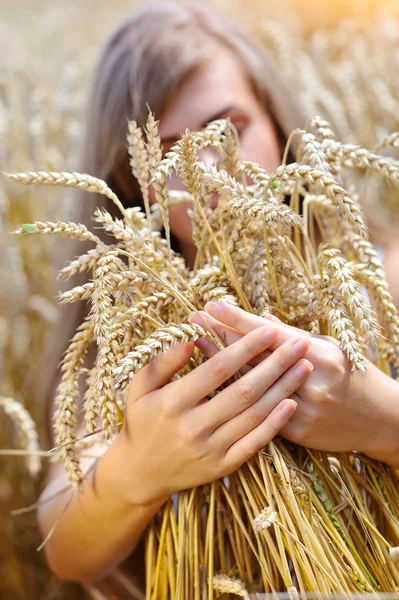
[[191, 66]]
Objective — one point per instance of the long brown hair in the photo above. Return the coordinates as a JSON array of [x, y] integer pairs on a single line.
[[144, 62]]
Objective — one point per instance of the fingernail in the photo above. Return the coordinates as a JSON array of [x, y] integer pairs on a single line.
[[214, 309], [303, 369], [196, 318], [271, 317], [287, 408], [300, 347], [268, 335]]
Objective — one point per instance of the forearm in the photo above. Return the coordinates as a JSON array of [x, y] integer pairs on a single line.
[[100, 527], [384, 444]]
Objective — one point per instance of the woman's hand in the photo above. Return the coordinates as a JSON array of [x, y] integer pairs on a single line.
[[174, 438], [338, 410]]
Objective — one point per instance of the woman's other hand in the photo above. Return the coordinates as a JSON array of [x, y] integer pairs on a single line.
[[338, 409]]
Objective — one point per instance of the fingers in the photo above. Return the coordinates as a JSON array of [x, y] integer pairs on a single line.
[[241, 397], [226, 334], [254, 415], [209, 348], [229, 336], [303, 423], [234, 317], [243, 322], [217, 370], [259, 437], [160, 370]]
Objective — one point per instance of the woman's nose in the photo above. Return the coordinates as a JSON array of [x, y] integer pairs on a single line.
[[209, 156]]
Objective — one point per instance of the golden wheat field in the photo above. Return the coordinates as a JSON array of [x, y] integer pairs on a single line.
[[342, 62]]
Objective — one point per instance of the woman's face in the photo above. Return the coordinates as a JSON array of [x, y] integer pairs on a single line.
[[219, 89]]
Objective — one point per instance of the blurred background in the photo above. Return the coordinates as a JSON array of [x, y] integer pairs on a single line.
[[341, 59]]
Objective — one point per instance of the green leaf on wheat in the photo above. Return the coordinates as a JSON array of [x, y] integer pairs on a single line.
[[29, 228]]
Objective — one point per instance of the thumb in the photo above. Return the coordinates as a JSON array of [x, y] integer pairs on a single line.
[[160, 370]]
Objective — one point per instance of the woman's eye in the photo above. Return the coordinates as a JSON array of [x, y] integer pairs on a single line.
[[240, 125]]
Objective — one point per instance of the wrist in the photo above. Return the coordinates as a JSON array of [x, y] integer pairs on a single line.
[[129, 479], [387, 451]]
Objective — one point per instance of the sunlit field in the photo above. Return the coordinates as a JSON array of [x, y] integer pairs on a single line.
[[341, 60]]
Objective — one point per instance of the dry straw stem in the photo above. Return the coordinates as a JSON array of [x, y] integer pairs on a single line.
[[26, 432], [257, 252]]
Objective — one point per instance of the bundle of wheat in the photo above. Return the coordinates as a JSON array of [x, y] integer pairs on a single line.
[[290, 518]]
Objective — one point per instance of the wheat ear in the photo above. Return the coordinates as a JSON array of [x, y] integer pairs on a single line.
[[62, 179], [26, 431], [160, 341], [65, 423], [228, 585]]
